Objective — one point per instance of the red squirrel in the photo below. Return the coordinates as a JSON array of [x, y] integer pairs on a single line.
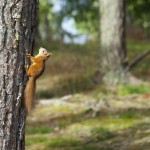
[[34, 71]]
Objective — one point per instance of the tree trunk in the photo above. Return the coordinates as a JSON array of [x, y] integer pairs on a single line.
[[112, 41], [17, 23], [47, 29]]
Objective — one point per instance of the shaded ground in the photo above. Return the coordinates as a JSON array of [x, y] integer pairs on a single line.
[[84, 122]]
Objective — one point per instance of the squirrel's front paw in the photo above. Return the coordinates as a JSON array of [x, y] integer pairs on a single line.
[[28, 55], [26, 67]]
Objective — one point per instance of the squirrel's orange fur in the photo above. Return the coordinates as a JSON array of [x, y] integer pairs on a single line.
[[34, 71]]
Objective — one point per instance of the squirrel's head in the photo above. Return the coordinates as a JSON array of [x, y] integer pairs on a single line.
[[43, 51]]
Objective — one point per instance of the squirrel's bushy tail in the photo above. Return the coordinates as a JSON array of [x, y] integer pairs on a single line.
[[29, 94]]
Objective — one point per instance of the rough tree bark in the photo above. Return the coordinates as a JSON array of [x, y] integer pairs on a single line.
[[17, 24], [112, 41]]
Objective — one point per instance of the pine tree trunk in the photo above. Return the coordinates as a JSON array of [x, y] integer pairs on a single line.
[[17, 23], [112, 41], [47, 28]]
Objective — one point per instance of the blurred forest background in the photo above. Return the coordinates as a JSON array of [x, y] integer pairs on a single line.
[[95, 91]]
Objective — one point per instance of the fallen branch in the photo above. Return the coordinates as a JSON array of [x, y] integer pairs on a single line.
[[137, 59]]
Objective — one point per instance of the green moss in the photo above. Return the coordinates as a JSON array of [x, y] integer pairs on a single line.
[[111, 123], [38, 129], [120, 90], [63, 142], [37, 139], [132, 89], [118, 123], [89, 147]]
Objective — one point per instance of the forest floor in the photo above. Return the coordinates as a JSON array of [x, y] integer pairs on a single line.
[[89, 122]]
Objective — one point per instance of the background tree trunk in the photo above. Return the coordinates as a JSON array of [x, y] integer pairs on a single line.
[[17, 24], [47, 28], [112, 41]]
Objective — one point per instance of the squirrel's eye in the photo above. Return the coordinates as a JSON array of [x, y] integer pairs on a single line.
[[43, 51]]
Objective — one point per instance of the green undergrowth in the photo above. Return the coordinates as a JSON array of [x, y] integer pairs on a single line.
[[38, 129], [132, 89], [120, 90], [63, 142], [35, 139], [134, 48]]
